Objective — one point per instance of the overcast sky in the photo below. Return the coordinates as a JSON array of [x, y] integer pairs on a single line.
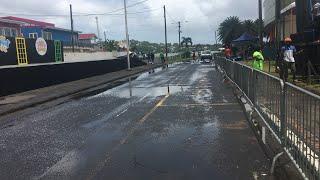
[[199, 17]]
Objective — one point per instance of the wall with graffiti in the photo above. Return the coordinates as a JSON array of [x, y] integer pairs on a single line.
[[23, 51]]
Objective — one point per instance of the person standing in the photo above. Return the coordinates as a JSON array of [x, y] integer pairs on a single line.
[[227, 52], [162, 59], [316, 14], [288, 60], [152, 58], [316, 9], [194, 56], [258, 60], [149, 57]]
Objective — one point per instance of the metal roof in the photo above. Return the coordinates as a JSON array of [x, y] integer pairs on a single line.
[[12, 21], [62, 29]]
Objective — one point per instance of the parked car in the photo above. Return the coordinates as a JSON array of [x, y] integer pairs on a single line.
[[236, 58], [206, 56]]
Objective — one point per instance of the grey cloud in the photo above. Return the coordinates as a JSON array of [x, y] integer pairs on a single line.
[[203, 16]]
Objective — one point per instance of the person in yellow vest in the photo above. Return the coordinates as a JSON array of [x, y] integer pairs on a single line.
[[258, 60]]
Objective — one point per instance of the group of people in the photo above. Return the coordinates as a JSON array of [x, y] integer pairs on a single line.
[[150, 57], [286, 56], [287, 59]]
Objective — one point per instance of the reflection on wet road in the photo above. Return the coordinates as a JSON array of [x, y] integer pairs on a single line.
[[180, 123]]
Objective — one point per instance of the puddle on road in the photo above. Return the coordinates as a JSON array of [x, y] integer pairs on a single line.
[[200, 74], [134, 88], [146, 74], [125, 91], [203, 96]]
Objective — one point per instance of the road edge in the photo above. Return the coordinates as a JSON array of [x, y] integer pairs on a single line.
[[73, 92]]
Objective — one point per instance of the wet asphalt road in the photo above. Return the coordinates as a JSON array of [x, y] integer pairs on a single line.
[[180, 123]]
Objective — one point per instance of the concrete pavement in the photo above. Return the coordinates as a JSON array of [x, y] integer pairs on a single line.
[[180, 123]]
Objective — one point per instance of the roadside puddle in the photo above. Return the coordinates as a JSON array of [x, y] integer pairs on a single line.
[[127, 91]]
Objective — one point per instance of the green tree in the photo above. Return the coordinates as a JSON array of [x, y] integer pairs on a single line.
[[230, 29], [257, 24], [111, 45], [186, 41], [250, 27]]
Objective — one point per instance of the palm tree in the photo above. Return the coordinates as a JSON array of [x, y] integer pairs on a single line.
[[230, 29], [186, 41], [250, 27]]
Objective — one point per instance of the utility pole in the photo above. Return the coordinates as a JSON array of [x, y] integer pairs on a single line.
[[72, 33], [260, 24], [278, 22], [179, 25], [98, 29], [105, 40], [127, 33], [165, 31], [278, 30]]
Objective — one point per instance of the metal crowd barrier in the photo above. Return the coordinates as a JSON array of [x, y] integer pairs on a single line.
[[292, 113]]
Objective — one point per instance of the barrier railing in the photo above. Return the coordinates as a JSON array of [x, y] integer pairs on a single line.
[[291, 113]]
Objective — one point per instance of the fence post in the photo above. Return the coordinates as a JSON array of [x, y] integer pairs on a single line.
[[232, 70], [283, 127], [253, 86]]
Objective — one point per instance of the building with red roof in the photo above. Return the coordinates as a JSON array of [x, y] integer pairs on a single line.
[[29, 22], [30, 28], [10, 28], [88, 38]]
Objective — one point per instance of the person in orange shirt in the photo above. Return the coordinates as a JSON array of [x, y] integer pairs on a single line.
[[227, 52]]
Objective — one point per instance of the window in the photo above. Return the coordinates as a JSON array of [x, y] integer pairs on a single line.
[[33, 35], [9, 32], [1, 31], [47, 35], [14, 33], [75, 38]]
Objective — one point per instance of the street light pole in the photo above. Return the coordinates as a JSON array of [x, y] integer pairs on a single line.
[[260, 24], [179, 25], [105, 40], [127, 33], [165, 30], [98, 29]]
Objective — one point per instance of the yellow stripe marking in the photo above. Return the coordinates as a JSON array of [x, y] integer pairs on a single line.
[[125, 139], [160, 103]]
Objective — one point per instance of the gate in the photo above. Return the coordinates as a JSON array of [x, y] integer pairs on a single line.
[[58, 51], [21, 51]]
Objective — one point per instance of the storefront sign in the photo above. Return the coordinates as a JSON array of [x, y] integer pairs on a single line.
[[4, 44], [41, 46]]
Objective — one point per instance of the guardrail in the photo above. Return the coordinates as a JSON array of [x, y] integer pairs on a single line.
[[291, 113]]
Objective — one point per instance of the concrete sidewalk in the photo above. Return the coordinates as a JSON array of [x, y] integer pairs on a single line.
[[20, 101]]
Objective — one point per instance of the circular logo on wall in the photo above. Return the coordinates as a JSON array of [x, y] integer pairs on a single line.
[[41, 46]]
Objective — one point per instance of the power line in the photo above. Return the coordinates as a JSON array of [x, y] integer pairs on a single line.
[[170, 17], [83, 14], [121, 9], [120, 14], [77, 15]]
